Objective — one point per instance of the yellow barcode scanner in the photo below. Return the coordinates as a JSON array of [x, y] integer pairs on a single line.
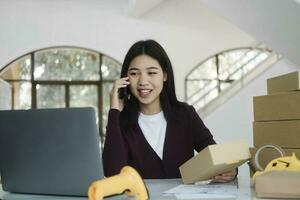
[[128, 181]]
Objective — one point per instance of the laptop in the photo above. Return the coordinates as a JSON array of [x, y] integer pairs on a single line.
[[49, 151]]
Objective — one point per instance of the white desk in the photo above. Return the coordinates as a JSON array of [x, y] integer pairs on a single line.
[[155, 188]]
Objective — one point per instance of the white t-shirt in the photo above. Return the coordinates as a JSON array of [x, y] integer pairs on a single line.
[[154, 130]]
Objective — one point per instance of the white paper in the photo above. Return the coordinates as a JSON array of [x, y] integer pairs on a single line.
[[204, 196], [204, 191]]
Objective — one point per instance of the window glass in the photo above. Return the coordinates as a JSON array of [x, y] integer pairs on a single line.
[[22, 94], [107, 86], [206, 70], [110, 69], [84, 96], [66, 64], [18, 70], [208, 79], [50, 96]]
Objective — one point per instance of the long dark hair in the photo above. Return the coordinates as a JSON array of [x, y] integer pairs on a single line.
[[168, 98]]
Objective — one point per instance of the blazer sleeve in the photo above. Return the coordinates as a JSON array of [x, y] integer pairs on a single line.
[[201, 134], [115, 152]]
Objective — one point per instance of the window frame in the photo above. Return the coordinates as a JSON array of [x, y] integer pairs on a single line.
[[66, 83]]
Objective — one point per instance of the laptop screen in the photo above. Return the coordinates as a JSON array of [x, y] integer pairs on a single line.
[[49, 151]]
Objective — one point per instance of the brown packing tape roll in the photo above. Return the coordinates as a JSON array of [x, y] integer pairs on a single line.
[[256, 157], [267, 155]]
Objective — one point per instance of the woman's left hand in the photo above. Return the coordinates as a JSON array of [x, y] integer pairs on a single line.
[[225, 177]]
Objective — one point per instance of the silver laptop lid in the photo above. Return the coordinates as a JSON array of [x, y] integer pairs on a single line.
[[49, 151]]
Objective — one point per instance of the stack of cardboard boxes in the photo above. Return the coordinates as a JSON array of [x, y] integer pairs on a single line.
[[277, 117]]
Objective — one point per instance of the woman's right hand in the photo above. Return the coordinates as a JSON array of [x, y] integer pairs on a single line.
[[115, 101]]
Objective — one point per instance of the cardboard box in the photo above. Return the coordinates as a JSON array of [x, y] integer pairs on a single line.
[[278, 184], [283, 106], [284, 83], [267, 155], [213, 160], [285, 134]]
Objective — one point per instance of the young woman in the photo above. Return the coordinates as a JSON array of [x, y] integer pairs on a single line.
[[148, 128]]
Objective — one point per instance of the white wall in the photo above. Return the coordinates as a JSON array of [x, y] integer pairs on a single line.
[[188, 30]]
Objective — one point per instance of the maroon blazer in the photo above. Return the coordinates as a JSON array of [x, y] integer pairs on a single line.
[[185, 133]]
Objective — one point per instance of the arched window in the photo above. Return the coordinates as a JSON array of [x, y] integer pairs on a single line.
[[216, 73], [63, 77]]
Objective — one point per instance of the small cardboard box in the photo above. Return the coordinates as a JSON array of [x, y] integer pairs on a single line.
[[282, 106], [285, 134], [268, 154], [213, 160], [278, 184], [284, 83]]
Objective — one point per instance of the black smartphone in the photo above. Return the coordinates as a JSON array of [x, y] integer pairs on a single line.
[[123, 92]]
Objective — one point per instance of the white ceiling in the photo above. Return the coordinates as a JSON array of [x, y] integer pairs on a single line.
[[138, 8]]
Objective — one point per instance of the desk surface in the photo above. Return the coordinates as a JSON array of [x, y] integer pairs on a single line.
[[155, 188]]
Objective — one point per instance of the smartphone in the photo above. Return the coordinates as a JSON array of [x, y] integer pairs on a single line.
[[123, 93]]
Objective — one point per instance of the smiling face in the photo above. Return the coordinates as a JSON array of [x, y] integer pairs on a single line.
[[146, 79]]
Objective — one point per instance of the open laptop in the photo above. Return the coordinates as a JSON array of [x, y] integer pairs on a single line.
[[49, 151]]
